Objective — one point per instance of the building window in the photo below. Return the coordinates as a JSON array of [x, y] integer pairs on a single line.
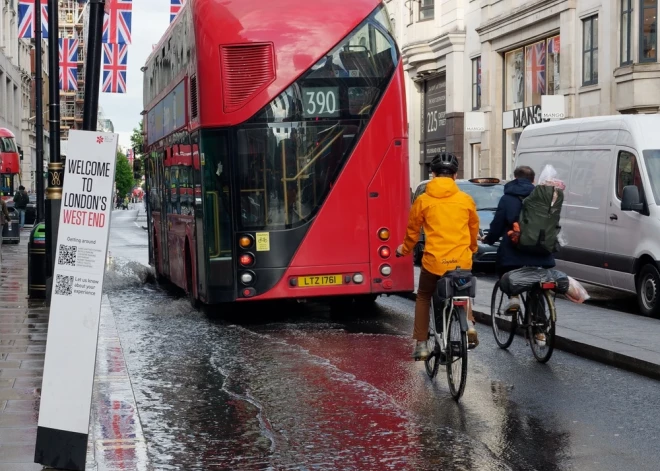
[[476, 83], [515, 79], [626, 27], [648, 39], [590, 50], [426, 10]]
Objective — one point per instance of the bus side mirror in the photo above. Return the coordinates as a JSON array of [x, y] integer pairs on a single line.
[[630, 200]]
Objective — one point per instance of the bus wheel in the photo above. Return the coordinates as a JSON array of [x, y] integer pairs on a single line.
[[194, 302], [648, 290]]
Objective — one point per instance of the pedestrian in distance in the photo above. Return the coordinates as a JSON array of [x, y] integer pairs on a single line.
[[4, 217], [21, 201]]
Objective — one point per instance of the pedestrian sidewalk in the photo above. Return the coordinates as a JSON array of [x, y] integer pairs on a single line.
[[616, 338], [115, 433]]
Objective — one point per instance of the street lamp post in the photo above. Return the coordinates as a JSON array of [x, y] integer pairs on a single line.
[[55, 168], [38, 89], [93, 65]]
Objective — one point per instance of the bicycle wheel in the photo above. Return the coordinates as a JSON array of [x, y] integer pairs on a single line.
[[504, 327], [433, 361], [541, 324], [457, 354]]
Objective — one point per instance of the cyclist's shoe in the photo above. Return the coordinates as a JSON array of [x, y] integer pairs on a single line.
[[512, 306], [473, 338], [540, 339], [421, 351]]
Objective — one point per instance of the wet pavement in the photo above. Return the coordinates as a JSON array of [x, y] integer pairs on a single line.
[[23, 331], [298, 386]]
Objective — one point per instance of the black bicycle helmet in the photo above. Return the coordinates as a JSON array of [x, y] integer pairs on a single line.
[[444, 163]]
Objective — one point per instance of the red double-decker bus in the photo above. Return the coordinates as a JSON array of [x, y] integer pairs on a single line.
[[276, 141], [9, 163]]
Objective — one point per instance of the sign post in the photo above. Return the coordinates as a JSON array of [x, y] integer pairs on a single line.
[[82, 246]]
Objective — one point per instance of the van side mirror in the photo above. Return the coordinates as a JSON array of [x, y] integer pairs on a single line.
[[630, 200]]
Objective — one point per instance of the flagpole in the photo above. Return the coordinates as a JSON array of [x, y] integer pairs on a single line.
[[55, 168], [38, 77], [93, 65]]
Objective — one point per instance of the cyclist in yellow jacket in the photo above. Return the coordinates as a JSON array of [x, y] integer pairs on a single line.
[[451, 225]]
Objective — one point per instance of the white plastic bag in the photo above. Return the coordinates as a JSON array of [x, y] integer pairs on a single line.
[[561, 238], [548, 173], [576, 291], [549, 177]]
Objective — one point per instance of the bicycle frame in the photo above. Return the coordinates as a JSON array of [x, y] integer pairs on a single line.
[[448, 307]]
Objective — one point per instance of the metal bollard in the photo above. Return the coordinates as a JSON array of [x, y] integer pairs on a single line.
[[37, 262]]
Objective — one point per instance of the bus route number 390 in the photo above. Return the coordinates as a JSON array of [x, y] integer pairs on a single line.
[[320, 102], [320, 280]]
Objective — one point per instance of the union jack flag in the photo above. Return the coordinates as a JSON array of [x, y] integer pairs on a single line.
[[535, 68], [26, 26], [175, 8], [114, 68], [117, 22], [68, 64]]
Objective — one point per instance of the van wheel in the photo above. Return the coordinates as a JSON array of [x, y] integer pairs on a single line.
[[648, 290]]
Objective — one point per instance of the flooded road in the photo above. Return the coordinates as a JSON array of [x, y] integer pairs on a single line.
[[298, 386]]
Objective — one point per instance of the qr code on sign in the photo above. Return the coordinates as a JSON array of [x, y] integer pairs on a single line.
[[63, 285], [67, 255]]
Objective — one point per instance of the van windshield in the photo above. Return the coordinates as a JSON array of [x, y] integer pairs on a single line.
[[652, 160]]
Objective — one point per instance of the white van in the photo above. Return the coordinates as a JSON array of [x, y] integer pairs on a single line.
[[611, 211]]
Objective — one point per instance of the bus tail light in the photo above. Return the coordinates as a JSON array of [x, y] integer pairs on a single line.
[[385, 270], [384, 252], [384, 234], [246, 259], [245, 241], [358, 278], [247, 278]]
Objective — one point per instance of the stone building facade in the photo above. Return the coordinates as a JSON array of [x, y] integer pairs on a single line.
[[501, 57]]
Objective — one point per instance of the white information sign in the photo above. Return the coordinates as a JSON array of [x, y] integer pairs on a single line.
[[82, 245], [475, 121], [553, 107]]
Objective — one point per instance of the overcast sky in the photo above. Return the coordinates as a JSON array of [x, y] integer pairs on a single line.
[[149, 21]]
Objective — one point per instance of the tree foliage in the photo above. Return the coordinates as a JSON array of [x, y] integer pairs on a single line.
[[137, 139], [123, 175]]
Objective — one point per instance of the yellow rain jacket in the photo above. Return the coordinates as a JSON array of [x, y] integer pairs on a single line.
[[451, 225]]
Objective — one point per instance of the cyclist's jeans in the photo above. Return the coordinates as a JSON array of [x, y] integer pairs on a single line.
[[427, 284]]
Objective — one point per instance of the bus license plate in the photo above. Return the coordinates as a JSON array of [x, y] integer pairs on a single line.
[[321, 280]]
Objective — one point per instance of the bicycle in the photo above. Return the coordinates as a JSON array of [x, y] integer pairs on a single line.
[[537, 321], [449, 346]]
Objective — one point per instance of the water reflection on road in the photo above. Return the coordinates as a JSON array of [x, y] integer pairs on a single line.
[[297, 386]]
